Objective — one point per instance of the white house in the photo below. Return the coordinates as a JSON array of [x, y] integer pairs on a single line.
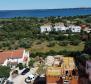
[[46, 28], [14, 57], [59, 27], [88, 68], [74, 28]]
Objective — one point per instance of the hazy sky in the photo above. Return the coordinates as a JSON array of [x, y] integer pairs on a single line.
[[42, 4]]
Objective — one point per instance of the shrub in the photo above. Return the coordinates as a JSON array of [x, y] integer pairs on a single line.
[[51, 44], [75, 43], [20, 65], [4, 71], [39, 54], [87, 48], [39, 42], [63, 43], [51, 52], [31, 62], [61, 37]]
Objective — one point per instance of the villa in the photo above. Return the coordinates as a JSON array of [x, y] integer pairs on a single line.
[[46, 28], [14, 57], [74, 28], [60, 27]]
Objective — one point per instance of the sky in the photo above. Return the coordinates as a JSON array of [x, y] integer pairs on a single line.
[[42, 4]]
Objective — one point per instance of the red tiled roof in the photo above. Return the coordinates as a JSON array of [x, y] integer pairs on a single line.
[[83, 26], [11, 54]]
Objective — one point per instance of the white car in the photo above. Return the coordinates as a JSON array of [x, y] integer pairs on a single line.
[[30, 79]]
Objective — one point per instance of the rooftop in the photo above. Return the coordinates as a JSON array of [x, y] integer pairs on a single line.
[[11, 54], [67, 64], [54, 71], [59, 24]]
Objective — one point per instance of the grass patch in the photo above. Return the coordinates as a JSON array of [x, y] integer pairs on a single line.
[[44, 48]]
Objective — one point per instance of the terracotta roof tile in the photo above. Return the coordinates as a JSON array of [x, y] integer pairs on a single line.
[[11, 54]]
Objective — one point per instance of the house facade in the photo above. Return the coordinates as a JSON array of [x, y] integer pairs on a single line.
[[59, 27], [14, 57], [46, 28], [74, 28]]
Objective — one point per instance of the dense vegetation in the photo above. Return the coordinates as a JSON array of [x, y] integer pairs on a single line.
[[24, 31], [87, 48], [4, 71]]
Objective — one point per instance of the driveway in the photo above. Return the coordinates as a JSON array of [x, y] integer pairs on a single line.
[[20, 79]]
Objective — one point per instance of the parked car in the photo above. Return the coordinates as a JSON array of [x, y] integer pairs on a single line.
[[25, 71], [30, 79]]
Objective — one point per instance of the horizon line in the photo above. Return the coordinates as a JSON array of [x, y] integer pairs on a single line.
[[43, 9]]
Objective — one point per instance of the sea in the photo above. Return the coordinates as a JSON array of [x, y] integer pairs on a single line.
[[45, 12]]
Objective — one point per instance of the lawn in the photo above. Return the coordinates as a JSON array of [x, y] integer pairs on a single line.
[[44, 48]]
